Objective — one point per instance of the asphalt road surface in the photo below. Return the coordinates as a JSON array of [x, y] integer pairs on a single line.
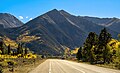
[[63, 66]]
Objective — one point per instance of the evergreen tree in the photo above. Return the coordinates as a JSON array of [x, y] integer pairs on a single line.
[[1, 46], [26, 51], [104, 38], [119, 37], [79, 54], [8, 49], [19, 49], [88, 51]]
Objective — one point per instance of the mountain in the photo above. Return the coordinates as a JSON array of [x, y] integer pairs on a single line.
[[55, 30], [2, 30], [115, 25], [55, 33], [9, 21], [82, 23], [89, 24], [99, 21], [111, 23]]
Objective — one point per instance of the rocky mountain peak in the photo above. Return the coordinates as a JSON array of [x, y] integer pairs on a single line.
[[9, 21]]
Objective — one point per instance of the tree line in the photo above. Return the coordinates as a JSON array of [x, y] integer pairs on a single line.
[[9, 51], [95, 48]]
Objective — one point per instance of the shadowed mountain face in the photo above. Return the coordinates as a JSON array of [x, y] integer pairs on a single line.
[[58, 30], [55, 31], [81, 23], [115, 25], [9, 21], [111, 23]]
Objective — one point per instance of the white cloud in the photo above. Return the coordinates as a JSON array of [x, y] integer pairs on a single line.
[[30, 18], [26, 17], [21, 17]]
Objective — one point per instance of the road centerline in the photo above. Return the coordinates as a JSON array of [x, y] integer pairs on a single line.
[[49, 67]]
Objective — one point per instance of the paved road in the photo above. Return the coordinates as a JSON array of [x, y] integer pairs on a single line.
[[63, 66]]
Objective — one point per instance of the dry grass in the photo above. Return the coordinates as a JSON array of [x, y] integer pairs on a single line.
[[8, 41], [25, 65], [27, 38], [111, 66]]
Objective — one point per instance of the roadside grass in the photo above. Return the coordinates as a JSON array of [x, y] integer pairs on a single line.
[[111, 66], [22, 65]]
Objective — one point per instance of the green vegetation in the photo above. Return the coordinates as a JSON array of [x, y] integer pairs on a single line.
[[67, 52], [1, 69], [79, 54], [100, 49], [11, 52]]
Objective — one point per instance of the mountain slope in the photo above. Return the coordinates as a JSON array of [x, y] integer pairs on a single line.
[[9, 21], [99, 21], [115, 25], [55, 31], [83, 24], [58, 30], [111, 23], [91, 25]]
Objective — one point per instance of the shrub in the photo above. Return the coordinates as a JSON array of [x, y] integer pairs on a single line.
[[1, 69], [12, 63]]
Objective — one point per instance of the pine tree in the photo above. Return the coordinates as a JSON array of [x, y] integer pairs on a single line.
[[1, 46], [119, 37], [19, 49], [79, 54], [88, 51], [104, 38], [26, 51], [8, 49]]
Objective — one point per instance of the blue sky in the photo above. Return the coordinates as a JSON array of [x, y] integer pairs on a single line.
[[28, 9]]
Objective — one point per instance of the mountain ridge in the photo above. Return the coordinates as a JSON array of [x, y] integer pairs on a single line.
[[9, 21], [57, 30]]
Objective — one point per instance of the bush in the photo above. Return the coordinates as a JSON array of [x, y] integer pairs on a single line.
[[117, 65], [29, 56], [1, 69], [11, 63], [4, 63]]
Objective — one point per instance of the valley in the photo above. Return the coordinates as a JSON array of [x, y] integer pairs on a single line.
[[55, 30], [58, 34]]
